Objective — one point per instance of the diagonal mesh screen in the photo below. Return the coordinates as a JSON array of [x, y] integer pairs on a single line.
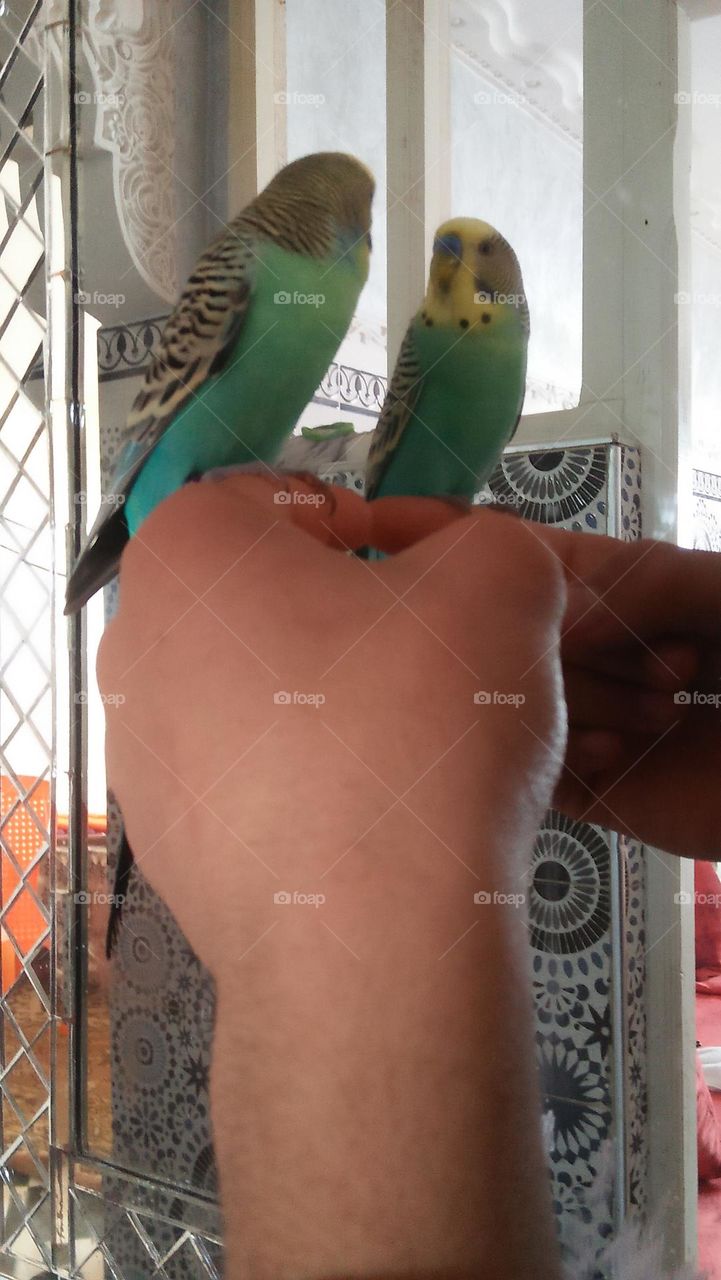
[[26, 668]]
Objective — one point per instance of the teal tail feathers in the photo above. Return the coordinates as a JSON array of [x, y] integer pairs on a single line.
[[97, 564], [123, 867]]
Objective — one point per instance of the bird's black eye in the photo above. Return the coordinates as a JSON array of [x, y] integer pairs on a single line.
[[484, 247]]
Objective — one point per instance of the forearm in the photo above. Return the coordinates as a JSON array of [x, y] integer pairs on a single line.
[[374, 1095]]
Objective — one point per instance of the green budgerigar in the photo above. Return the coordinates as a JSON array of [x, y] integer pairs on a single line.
[[457, 390], [255, 329]]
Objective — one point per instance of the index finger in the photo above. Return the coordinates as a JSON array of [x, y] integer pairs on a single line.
[[647, 589], [340, 517]]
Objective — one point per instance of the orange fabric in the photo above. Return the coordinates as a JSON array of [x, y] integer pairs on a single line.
[[24, 825]]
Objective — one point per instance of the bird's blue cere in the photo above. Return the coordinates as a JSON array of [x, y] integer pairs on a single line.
[[449, 244]]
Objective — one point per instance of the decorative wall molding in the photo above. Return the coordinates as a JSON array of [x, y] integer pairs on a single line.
[[706, 484], [355, 388], [543, 81], [129, 45], [124, 350]]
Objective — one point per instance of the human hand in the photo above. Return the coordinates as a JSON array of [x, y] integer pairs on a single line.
[[212, 628], [642, 673], [365, 1122]]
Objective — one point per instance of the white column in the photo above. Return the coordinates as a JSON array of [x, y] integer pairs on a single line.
[[418, 150], [661, 413], [632, 375], [630, 270], [635, 387], [256, 110]]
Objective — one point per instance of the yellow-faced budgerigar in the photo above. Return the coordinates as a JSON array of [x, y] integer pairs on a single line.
[[255, 329], [457, 390]]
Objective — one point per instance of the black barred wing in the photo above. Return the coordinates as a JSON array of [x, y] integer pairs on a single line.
[[401, 399], [196, 344], [198, 337]]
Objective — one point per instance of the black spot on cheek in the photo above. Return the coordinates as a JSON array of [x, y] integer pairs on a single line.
[[464, 323], [429, 324], [485, 318]]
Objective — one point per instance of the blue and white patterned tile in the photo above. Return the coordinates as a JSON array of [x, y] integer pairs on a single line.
[[629, 494], [634, 862], [571, 917], [707, 510], [565, 487]]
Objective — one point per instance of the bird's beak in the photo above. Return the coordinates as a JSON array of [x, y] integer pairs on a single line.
[[443, 268]]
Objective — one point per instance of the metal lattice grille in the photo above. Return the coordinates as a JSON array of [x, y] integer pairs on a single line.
[[26, 667]]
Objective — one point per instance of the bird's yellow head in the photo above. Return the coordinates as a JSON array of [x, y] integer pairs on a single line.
[[475, 279]]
